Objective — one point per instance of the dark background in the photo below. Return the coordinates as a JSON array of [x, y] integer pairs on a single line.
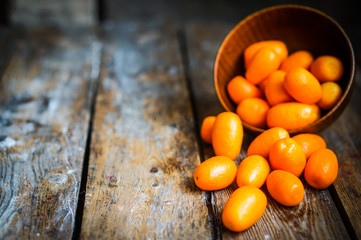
[[345, 12], [215, 10]]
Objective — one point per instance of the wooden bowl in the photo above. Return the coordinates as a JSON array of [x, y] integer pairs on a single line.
[[300, 28]]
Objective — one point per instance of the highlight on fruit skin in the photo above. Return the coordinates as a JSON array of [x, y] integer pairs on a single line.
[[239, 89], [321, 169], [244, 208], [327, 68], [252, 171], [300, 58], [331, 93], [262, 143], [292, 115], [285, 188], [310, 142], [227, 135], [215, 173], [274, 90], [286, 154], [277, 46], [253, 111], [302, 85], [264, 62]]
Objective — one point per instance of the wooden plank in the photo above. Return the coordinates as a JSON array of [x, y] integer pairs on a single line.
[[63, 13], [139, 10], [144, 150], [315, 218], [44, 113], [343, 137]]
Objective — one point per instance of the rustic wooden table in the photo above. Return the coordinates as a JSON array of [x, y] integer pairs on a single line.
[[99, 138]]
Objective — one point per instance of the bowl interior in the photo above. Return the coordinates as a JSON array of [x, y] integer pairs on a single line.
[[300, 28]]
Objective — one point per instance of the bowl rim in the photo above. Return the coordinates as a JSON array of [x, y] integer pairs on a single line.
[[345, 95]]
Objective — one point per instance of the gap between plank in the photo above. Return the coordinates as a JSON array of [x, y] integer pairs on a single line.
[[84, 174], [341, 210], [101, 7], [8, 46], [212, 218]]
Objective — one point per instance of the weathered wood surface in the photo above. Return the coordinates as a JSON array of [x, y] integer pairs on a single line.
[[45, 100], [144, 146], [62, 13], [317, 216], [144, 150]]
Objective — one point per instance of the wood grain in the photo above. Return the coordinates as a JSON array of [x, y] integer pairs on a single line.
[[144, 151], [44, 115], [315, 218]]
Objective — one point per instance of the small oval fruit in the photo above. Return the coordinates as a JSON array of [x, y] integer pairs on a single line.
[[310, 142], [331, 93], [264, 62], [327, 68], [253, 111], [302, 86], [227, 135], [292, 115], [299, 58], [239, 89], [321, 169], [215, 173], [263, 142], [244, 208], [274, 90], [285, 188], [286, 154], [277, 46], [206, 128], [252, 171]]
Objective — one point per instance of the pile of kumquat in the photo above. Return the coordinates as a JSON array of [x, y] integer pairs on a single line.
[[281, 90], [273, 158], [295, 87]]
